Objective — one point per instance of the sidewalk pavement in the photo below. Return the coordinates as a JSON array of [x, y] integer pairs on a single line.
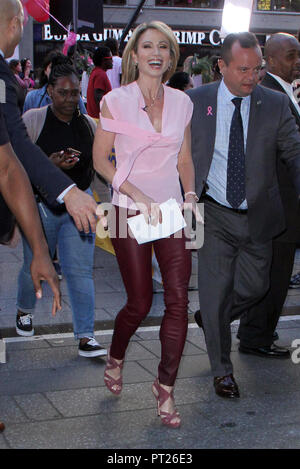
[[52, 398]]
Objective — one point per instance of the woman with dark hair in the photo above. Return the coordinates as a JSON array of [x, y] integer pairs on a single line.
[[181, 81], [40, 97], [99, 83], [15, 66], [66, 136], [216, 74], [26, 72]]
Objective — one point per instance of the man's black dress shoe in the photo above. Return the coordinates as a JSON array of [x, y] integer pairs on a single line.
[[198, 318], [225, 386], [274, 337], [272, 351], [295, 281]]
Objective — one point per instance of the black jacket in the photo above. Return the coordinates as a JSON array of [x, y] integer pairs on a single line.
[[287, 191], [49, 180]]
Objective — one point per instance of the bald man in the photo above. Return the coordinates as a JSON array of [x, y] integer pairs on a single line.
[[52, 184], [257, 327]]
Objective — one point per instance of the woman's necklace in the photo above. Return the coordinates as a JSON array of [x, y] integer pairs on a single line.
[[153, 100]]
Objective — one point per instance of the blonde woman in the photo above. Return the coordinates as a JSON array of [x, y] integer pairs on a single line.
[[148, 123]]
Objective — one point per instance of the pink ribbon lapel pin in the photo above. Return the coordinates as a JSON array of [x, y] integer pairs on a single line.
[[209, 111]]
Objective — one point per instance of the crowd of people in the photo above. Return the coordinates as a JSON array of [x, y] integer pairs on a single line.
[[232, 144]]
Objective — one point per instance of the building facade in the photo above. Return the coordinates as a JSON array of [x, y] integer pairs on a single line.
[[196, 24]]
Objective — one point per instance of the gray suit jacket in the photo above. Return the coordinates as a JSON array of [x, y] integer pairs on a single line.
[[271, 133]]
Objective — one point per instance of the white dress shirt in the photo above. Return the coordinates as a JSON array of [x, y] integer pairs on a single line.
[[115, 72], [217, 176], [288, 88]]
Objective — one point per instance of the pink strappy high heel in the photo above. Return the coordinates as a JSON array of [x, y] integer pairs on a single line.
[[162, 395], [114, 385]]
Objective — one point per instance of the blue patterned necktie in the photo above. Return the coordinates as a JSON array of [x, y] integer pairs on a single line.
[[235, 190]]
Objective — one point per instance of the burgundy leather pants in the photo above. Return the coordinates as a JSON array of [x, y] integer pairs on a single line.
[[135, 263]]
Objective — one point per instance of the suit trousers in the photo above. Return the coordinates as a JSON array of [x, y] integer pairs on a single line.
[[233, 274], [258, 324], [135, 263]]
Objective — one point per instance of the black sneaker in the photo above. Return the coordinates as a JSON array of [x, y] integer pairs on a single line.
[[91, 349], [24, 325]]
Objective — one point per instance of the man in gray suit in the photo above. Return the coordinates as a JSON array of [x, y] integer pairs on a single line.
[[238, 131]]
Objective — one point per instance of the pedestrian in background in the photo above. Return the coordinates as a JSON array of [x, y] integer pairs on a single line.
[[181, 81], [27, 73], [115, 73], [15, 66], [40, 97], [257, 326], [71, 152], [99, 83]]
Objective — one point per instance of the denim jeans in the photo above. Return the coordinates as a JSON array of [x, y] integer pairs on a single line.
[[76, 255]]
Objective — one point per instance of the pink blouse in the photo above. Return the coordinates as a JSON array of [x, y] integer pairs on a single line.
[[146, 158]]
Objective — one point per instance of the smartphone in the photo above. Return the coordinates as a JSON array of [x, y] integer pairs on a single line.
[[71, 153]]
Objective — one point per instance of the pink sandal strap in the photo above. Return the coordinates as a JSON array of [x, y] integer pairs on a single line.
[[162, 395], [167, 418], [112, 364], [113, 384]]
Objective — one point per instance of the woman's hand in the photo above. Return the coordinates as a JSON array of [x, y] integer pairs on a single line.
[[102, 216], [192, 232], [190, 203], [148, 207], [62, 160]]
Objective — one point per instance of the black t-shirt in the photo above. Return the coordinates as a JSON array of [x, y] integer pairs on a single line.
[[7, 222], [57, 135], [3, 132]]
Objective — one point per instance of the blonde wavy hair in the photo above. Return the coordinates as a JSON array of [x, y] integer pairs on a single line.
[[130, 72]]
